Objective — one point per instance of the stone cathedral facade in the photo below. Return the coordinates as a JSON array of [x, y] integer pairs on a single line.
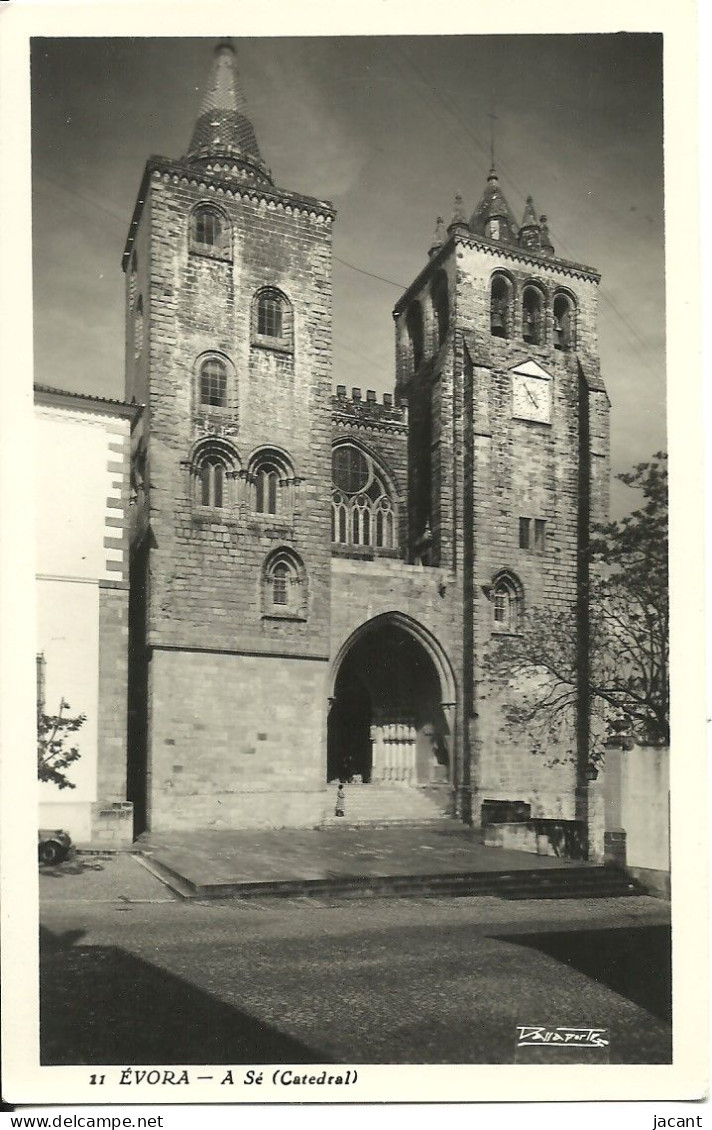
[[315, 575]]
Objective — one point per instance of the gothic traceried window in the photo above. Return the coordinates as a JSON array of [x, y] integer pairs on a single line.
[[362, 510]]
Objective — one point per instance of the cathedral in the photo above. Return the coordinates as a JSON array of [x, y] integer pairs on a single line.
[[316, 575]]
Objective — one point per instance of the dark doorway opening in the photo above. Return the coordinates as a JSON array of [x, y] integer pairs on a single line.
[[349, 744], [386, 722]]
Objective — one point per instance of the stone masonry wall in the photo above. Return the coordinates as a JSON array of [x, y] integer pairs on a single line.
[[524, 469], [235, 688], [236, 741], [206, 565]]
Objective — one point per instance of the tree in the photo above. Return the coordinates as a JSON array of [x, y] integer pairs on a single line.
[[625, 671], [54, 753]]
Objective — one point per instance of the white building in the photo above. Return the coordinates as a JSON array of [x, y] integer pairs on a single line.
[[83, 499]]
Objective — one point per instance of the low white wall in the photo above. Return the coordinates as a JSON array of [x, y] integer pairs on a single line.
[[68, 635], [637, 787]]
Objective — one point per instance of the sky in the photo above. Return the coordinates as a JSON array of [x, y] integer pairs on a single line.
[[389, 129]]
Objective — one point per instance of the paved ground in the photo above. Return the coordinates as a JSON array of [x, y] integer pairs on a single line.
[[206, 858], [131, 974]]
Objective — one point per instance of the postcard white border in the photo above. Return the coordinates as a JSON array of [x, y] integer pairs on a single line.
[[24, 1080]]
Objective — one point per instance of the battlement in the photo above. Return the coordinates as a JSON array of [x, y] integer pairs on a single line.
[[368, 410]]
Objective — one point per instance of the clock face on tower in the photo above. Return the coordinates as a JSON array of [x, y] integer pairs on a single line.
[[531, 393]]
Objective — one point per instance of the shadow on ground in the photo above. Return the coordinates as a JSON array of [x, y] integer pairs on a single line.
[[634, 962], [74, 865], [99, 1004]]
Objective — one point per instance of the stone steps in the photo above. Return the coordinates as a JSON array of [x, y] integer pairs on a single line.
[[384, 804], [582, 882]]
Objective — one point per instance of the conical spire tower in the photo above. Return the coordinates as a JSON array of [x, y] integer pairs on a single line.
[[223, 132], [493, 217]]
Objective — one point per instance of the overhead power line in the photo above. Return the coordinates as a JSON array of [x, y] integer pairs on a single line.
[[369, 274]]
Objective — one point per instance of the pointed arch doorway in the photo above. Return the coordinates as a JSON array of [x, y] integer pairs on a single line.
[[392, 706]]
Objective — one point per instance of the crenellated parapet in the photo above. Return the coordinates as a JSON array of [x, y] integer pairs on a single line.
[[359, 412]]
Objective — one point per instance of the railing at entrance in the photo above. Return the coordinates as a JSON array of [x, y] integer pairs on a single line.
[[394, 755]]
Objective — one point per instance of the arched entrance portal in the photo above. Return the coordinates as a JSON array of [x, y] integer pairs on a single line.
[[390, 717]]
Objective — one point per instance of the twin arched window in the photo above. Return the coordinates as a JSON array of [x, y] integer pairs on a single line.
[[212, 482], [272, 482], [213, 468], [362, 510]]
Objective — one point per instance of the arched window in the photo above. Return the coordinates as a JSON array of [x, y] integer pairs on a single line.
[[532, 315], [273, 482], [362, 510], [500, 306], [284, 589], [414, 326], [269, 315], [272, 319], [267, 479], [212, 479], [564, 321], [506, 603], [212, 467], [213, 383], [209, 231], [441, 311]]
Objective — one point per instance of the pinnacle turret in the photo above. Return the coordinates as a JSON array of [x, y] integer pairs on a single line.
[[223, 132], [439, 237], [459, 219], [530, 230]]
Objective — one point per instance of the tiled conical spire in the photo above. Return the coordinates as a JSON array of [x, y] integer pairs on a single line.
[[493, 217], [223, 132]]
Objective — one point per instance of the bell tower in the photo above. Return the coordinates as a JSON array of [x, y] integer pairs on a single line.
[[228, 345], [497, 360]]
